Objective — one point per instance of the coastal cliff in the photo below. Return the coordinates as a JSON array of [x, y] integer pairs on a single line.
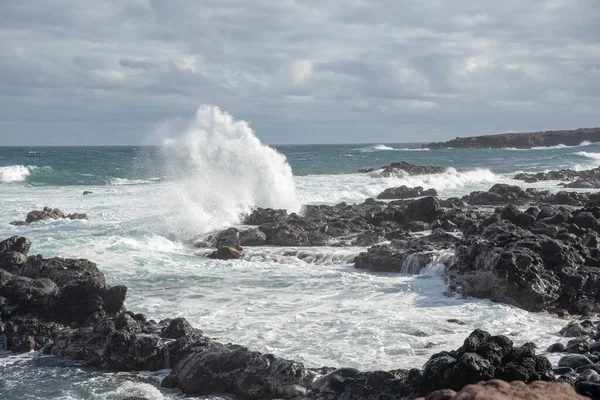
[[521, 140]]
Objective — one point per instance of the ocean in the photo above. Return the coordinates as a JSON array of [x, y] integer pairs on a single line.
[[307, 304]]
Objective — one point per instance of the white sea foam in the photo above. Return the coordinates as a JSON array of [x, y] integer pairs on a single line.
[[222, 170], [558, 146], [15, 173], [595, 156], [382, 147], [376, 147], [353, 188]]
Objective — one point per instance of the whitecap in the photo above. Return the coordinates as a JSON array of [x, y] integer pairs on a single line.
[[15, 173], [595, 156]]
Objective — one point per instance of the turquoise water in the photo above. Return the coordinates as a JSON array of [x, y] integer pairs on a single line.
[[109, 165]]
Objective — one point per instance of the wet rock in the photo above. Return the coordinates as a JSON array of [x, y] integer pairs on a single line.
[[252, 237], [484, 357], [426, 209], [556, 348], [177, 328], [413, 250], [590, 389], [229, 252], [574, 361], [19, 223], [576, 329], [45, 214], [86, 192], [236, 370], [563, 371], [368, 238], [579, 345], [532, 271], [265, 216], [585, 219], [13, 251], [404, 192], [366, 170], [403, 168], [418, 226]]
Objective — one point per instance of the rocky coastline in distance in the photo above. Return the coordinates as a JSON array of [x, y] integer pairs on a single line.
[[534, 249], [524, 140]]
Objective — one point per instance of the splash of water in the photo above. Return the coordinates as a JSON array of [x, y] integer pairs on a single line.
[[221, 170], [14, 173]]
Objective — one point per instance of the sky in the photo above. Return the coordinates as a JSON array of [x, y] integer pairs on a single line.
[[300, 71]]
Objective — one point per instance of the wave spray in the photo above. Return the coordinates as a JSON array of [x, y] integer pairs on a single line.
[[221, 170]]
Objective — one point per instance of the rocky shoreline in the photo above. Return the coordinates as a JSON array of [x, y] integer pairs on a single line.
[[537, 250], [63, 307], [521, 140]]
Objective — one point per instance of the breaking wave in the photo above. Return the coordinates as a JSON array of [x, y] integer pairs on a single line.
[[15, 173], [221, 170], [595, 156]]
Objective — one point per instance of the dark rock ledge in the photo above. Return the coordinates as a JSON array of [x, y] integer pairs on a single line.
[[65, 308], [521, 140]]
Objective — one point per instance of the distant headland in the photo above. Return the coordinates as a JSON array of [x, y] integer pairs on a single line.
[[521, 140]]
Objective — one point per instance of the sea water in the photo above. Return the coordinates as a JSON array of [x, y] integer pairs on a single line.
[[306, 304]]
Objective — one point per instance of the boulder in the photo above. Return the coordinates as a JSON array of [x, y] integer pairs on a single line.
[[426, 209], [496, 389], [228, 252], [265, 216], [236, 370]]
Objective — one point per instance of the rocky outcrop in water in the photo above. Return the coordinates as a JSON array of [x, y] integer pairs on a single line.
[[230, 251], [408, 255], [586, 179], [539, 259], [521, 140], [45, 214], [404, 192], [403, 168]]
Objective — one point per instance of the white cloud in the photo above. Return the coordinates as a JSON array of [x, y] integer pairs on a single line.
[[311, 70]]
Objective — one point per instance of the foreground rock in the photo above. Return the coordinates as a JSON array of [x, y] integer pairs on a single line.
[[521, 140], [482, 357], [500, 390], [47, 213], [64, 308]]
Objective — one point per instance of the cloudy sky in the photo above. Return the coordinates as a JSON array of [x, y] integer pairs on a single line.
[[301, 71]]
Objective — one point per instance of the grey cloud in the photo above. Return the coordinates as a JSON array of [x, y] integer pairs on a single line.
[[301, 71]]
